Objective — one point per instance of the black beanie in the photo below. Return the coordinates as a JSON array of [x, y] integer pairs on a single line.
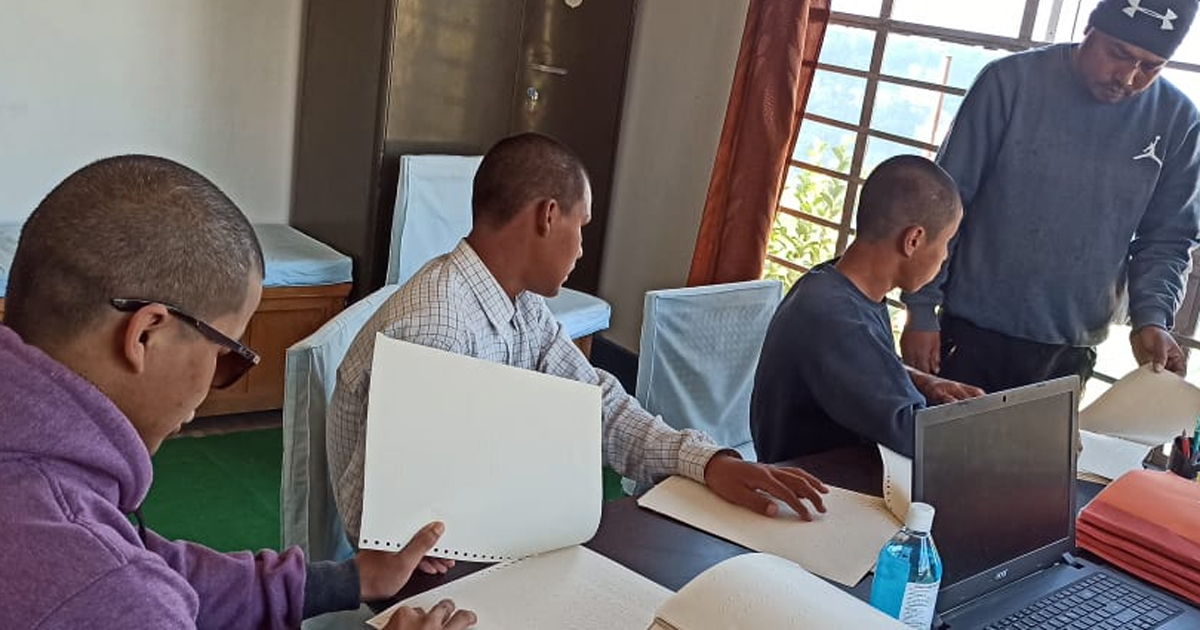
[[1154, 25]]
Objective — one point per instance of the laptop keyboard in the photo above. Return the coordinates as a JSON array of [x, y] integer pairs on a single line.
[[1094, 602]]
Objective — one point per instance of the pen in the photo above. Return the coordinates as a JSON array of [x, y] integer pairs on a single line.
[[1196, 438]]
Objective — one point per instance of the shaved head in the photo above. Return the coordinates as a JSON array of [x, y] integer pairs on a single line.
[[904, 191], [132, 226]]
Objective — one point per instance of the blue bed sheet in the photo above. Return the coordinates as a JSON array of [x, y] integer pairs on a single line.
[[292, 258]]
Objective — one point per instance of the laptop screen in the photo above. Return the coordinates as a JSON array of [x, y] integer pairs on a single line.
[[1000, 470]]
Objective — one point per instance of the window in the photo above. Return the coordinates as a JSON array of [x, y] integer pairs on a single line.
[[891, 76]]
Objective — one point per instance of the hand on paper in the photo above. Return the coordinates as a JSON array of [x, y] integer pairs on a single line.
[[922, 349], [1152, 344], [434, 566], [751, 485], [938, 390], [442, 616], [383, 573]]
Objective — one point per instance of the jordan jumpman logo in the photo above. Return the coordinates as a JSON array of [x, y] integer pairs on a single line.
[[1150, 152]]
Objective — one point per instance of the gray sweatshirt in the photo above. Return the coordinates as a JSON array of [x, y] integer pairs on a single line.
[[1065, 198]]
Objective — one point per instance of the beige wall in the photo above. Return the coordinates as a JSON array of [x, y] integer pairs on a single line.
[[211, 83], [684, 53]]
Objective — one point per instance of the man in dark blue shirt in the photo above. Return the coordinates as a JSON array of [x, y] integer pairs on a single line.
[[829, 374]]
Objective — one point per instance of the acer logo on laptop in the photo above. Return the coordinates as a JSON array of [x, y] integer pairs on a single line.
[[1000, 575]]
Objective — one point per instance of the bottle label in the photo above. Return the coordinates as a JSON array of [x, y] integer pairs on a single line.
[[916, 609]]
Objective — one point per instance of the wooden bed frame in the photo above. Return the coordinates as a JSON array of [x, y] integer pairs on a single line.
[[285, 315]]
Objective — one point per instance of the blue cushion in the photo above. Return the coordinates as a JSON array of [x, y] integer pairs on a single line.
[[699, 351]]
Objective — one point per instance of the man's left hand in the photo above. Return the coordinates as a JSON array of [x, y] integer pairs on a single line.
[[751, 485], [1156, 346], [939, 391], [383, 573]]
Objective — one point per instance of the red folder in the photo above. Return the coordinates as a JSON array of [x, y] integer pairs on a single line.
[[1148, 523]]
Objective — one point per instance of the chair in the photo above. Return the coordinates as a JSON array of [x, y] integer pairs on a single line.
[[433, 211], [699, 351], [308, 513]]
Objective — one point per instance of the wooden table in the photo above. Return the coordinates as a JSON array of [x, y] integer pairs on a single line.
[[671, 553]]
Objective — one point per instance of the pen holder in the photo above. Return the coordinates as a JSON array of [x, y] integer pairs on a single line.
[[1182, 463]]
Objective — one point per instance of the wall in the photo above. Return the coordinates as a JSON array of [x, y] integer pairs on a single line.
[[681, 68], [211, 83]]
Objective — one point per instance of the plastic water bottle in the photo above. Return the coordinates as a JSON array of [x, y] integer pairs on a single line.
[[909, 571]]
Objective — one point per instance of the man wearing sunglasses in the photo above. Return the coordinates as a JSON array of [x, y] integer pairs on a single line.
[[131, 284]]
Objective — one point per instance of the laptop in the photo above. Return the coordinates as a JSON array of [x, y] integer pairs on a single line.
[[1000, 470]]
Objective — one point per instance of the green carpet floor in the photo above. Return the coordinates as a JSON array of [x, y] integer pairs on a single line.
[[223, 490], [219, 490]]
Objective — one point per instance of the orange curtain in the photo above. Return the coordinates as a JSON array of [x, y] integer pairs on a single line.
[[775, 70]]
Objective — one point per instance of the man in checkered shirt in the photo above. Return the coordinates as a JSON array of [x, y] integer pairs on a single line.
[[530, 201]]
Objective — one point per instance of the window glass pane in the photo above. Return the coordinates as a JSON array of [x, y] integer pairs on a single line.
[[898, 316], [825, 146], [848, 47], [994, 17], [879, 150], [859, 7], [802, 242], [1185, 80], [837, 96], [775, 271], [914, 113], [1056, 27], [1188, 51], [1072, 20], [813, 193], [935, 61]]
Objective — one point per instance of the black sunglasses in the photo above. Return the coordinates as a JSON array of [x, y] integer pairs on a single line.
[[231, 365]]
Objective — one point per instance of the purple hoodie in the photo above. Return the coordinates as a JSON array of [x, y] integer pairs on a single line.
[[71, 468]]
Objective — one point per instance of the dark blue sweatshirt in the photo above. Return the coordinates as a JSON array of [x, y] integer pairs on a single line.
[[828, 375], [1064, 198]]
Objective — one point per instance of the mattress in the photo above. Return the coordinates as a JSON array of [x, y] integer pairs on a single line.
[[579, 313], [292, 258]]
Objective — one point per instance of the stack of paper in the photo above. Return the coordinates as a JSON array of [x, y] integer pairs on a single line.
[[508, 459], [1142, 410], [841, 545], [569, 588], [763, 591], [1148, 523]]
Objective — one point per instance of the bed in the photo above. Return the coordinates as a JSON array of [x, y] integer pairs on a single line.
[[306, 283]]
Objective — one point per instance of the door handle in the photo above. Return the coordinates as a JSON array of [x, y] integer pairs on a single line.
[[541, 67]]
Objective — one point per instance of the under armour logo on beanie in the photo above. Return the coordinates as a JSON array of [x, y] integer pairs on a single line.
[[1158, 26]]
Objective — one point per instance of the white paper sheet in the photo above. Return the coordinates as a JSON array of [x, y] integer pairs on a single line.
[[569, 588], [841, 544], [1145, 407], [1109, 457], [508, 459], [897, 482], [764, 591]]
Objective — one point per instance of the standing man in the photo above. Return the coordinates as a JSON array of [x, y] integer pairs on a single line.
[[1079, 176]]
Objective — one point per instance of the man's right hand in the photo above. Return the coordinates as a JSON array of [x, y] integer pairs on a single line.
[[922, 349], [441, 617]]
